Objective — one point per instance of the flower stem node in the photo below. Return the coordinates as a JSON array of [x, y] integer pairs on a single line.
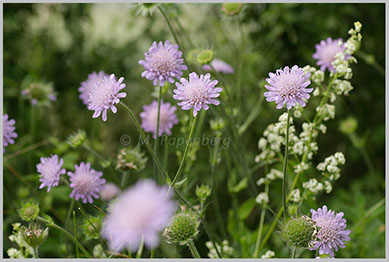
[[232, 9], [298, 232], [29, 211], [204, 57], [182, 229]]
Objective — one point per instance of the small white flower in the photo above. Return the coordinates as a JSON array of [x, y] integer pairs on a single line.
[[295, 195], [261, 181], [274, 174], [262, 198], [313, 185], [327, 187], [268, 254]]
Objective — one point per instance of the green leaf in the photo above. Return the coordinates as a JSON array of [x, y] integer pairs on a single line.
[[180, 183], [240, 186], [246, 208]]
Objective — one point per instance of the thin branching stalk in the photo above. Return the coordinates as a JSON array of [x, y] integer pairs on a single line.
[[284, 182], [75, 232], [140, 248], [157, 131], [193, 249], [70, 236]]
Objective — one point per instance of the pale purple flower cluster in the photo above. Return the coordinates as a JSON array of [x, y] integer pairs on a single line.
[[220, 66], [109, 191], [142, 211], [86, 183], [104, 95], [326, 51], [331, 231], [288, 86], [167, 118], [163, 62], [8, 131], [50, 170], [86, 86], [197, 93]]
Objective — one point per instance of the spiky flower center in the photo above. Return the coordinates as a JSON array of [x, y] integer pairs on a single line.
[[50, 171], [162, 61], [85, 182], [196, 92], [102, 94], [289, 86]]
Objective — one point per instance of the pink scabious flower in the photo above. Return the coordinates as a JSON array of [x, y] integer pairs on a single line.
[[50, 170], [326, 51], [288, 86], [109, 191], [104, 95], [331, 231], [8, 131], [86, 86], [220, 66], [142, 211], [167, 118], [197, 93], [86, 183], [162, 63]]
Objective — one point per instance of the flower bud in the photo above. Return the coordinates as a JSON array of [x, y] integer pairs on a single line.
[[348, 125], [298, 232], [40, 93], [182, 229], [131, 159], [205, 57], [231, 9], [146, 9], [29, 211], [89, 231], [77, 138], [34, 236], [203, 192]]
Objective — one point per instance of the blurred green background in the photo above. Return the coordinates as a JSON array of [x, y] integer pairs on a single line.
[[63, 43]]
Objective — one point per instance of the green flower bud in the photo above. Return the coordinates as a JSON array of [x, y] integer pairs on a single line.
[[40, 93], [192, 55], [29, 211], [298, 232], [205, 57], [77, 138], [35, 236], [145, 9], [203, 192], [348, 125], [182, 229], [89, 231], [131, 159], [232, 9], [217, 124]]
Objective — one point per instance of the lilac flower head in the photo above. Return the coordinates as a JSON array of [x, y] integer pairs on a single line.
[[326, 51], [50, 170], [331, 232], [167, 118], [8, 131], [86, 86], [105, 94], [40, 93], [142, 211], [197, 93], [86, 183], [220, 66], [162, 63], [288, 86], [109, 191]]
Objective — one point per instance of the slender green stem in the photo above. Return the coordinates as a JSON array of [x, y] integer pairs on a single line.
[[179, 171], [284, 182], [71, 206], [70, 236], [174, 35], [140, 249], [35, 255], [157, 131], [124, 179], [152, 253], [262, 220], [94, 152], [223, 83], [368, 213], [26, 150], [75, 232], [294, 252], [371, 61], [193, 249], [253, 114]]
